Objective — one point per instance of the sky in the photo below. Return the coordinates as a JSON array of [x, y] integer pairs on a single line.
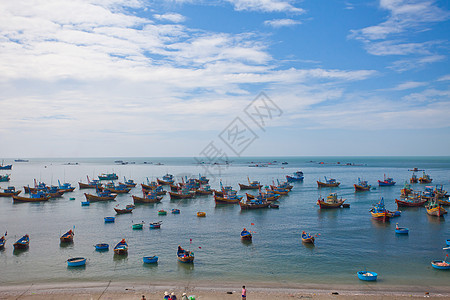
[[132, 78]]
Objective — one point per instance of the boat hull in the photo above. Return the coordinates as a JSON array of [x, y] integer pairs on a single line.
[[76, 262], [440, 265], [324, 184], [245, 206], [27, 199], [381, 216], [361, 188], [249, 187], [218, 199], [116, 191], [367, 276], [102, 247], [436, 211], [150, 259], [9, 194], [404, 203], [181, 196], [137, 199], [95, 198], [324, 205]]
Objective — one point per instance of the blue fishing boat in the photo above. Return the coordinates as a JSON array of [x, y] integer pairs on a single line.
[[367, 276], [176, 211], [65, 187], [22, 243], [94, 184], [4, 178], [388, 181], [401, 230], [85, 203], [128, 183], [246, 235], [5, 167], [166, 179], [101, 247], [109, 219], [447, 242], [155, 225], [76, 262], [121, 248], [108, 176], [441, 264], [9, 192], [150, 259], [379, 211], [202, 179], [298, 176]]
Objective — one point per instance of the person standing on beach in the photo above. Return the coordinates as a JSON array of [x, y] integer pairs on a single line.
[[173, 296], [244, 293], [184, 297]]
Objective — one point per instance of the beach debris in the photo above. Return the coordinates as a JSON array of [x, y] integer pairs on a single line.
[[230, 293], [334, 293]]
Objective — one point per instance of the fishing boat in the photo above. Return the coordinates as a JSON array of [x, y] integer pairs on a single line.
[[22, 243], [162, 212], [272, 205], [5, 167], [331, 202], [185, 256], [223, 189], [362, 185], [21, 160], [444, 202], [76, 262], [441, 264], [379, 212], [434, 208], [279, 191], [183, 193], [138, 226], [4, 178], [253, 204], [148, 197], [387, 181], [101, 247], [121, 248], [128, 183], [246, 235], [54, 192], [283, 185], [85, 203], [101, 196], [228, 197], [401, 230], [166, 179], [252, 185], [202, 179], [425, 178], [9, 192], [117, 189], [413, 179], [150, 259], [2, 242], [298, 176], [440, 192], [128, 209], [109, 219], [67, 237], [94, 184], [175, 211], [406, 190], [307, 238], [201, 214], [328, 183], [204, 189], [155, 225], [367, 276], [267, 196], [108, 176], [414, 200], [65, 187], [36, 197], [150, 185]]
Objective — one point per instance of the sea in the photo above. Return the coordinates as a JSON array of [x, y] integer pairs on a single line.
[[348, 239]]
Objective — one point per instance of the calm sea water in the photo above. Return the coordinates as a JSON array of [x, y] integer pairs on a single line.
[[349, 239]]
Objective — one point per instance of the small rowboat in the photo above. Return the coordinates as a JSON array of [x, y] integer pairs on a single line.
[[150, 259], [401, 230], [201, 214], [110, 219], [22, 243], [307, 238], [85, 203], [176, 211], [185, 256], [162, 212], [76, 262], [67, 237], [138, 225], [274, 205], [102, 247], [246, 235], [155, 225], [447, 242], [2, 242], [121, 248], [367, 276], [441, 264]]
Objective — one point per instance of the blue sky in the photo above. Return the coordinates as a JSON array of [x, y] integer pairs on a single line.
[[165, 78]]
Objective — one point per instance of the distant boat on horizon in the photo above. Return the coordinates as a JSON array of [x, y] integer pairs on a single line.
[[21, 160]]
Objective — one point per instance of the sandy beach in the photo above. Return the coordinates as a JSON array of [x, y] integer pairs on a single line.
[[124, 290]]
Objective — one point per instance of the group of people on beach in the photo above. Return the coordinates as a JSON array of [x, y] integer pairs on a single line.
[[172, 296]]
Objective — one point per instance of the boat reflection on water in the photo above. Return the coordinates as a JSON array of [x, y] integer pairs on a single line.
[[120, 257], [19, 252], [185, 268]]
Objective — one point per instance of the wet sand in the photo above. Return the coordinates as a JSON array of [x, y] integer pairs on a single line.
[[124, 290]]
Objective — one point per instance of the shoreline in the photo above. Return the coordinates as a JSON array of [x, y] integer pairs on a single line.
[[202, 290]]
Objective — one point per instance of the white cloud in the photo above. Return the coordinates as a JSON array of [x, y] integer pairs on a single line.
[[277, 23], [408, 85], [444, 78], [415, 62], [429, 95], [172, 17], [266, 6]]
